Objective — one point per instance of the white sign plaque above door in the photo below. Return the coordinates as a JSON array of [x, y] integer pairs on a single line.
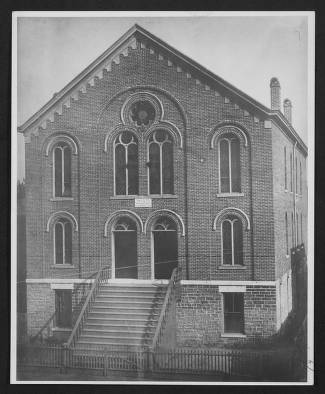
[[143, 202]]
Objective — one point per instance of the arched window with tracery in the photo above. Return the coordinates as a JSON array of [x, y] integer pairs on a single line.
[[62, 170], [126, 164], [229, 164], [232, 241], [160, 163], [63, 242]]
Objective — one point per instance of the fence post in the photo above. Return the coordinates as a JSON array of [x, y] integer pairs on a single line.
[[150, 359], [64, 360]]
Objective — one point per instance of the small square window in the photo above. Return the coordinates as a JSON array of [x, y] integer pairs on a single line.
[[233, 307]]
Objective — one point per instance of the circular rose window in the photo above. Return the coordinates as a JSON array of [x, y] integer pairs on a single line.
[[142, 113]]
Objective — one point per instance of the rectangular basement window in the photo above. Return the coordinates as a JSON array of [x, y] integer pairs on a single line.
[[233, 307]]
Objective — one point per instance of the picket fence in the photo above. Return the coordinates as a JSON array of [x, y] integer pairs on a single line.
[[223, 364]]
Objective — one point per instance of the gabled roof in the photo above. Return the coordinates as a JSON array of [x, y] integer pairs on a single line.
[[184, 63]]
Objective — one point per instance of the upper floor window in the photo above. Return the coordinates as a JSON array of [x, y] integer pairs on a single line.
[[300, 178], [126, 164], [285, 169], [229, 164], [142, 113], [160, 163], [232, 241], [287, 233], [62, 170], [63, 242], [291, 173]]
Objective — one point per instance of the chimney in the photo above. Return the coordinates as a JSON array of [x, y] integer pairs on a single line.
[[275, 94], [287, 109]]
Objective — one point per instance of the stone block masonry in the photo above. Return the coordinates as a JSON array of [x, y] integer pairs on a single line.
[[200, 315]]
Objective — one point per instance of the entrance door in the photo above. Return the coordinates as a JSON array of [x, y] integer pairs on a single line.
[[125, 248], [165, 247], [63, 308]]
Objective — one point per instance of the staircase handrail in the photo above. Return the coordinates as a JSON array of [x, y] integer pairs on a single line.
[[163, 311], [78, 324]]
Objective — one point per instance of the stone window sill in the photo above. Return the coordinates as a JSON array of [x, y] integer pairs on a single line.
[[132, 197], [220, 195], [232, 267], [233, 335], [61, 199], [62, 266]]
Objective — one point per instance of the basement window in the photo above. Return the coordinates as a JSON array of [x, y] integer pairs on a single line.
[[233, 306]]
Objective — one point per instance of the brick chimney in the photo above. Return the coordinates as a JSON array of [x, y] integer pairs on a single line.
[[275, 94], [287, 109]]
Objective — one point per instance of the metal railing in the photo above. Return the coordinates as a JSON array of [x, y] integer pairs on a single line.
[[47, 329], [165, 333], [102, 275], [78, 296]]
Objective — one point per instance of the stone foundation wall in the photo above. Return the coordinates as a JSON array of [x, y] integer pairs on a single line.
[[200, 317]]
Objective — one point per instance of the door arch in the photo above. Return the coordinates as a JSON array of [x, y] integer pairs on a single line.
[[164, 241], [124, 248]]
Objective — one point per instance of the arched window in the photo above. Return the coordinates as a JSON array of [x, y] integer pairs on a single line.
[[229, 164], [160, 163], [62, 170], [287, 234], [126, 164], [63, 242], [232, 241]]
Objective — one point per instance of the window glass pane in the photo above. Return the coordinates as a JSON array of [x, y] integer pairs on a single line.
[[133, 171], [67, 171], [120, 170], [224, 166], [235, 165], [287, 236], [68, 243], [154, 168], [238, 242], [285, 168], [233, 312], [58, 243], [58, 172], [226, 242], [168, 171]]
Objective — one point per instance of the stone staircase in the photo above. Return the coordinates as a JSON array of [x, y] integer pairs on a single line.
[[123, 315]]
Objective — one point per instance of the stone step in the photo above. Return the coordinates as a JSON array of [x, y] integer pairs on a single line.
[[125, 333], [104, 307], [103, 313], [107, 318], [113, 340], [133, 297], [129, 303], [120, 327]]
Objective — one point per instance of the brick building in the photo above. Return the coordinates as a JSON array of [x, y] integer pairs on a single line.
[[147, 162]]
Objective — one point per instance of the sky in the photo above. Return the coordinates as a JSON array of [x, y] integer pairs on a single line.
[[246, 51]]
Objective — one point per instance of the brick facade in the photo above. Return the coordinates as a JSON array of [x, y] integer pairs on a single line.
[[202, 112]]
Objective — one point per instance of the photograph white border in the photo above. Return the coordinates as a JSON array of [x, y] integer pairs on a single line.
[[310, 164]]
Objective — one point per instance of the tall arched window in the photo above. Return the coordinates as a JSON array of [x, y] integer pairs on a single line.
[[229, 164], [63, 242], [160, 163], [287, 233], [232, 241], [62, 170], [126, 164]]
